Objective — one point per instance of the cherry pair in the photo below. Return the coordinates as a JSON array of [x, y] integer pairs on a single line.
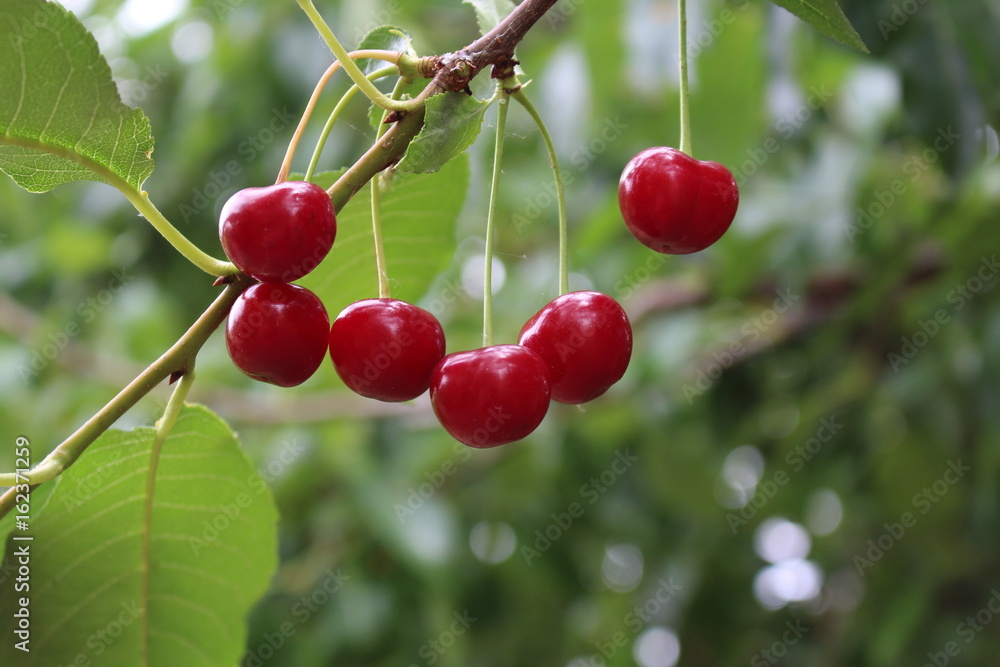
[[570, 351], [277, 332]]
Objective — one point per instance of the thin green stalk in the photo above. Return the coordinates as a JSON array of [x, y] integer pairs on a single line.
[[286, 164], [353, 71], [380, 264], [560, 189], [191, 252], [140, 200], [163, 428], [335, 114], [380, 267], [177, 358], [490, 219], [383, 153], [685, 92]]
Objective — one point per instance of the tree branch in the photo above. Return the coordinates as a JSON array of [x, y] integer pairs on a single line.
[[494, 48], [454, 71]]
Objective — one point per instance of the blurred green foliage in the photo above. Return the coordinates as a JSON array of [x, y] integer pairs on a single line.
[[830, 363]]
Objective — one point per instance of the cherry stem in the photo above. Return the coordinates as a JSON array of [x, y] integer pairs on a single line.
[[286, 164], [353, 71], [177, 359], [560, 189], [380, 264], [335, 114], [685, 91], [380, 267], [491, 215], [389, 56], [191, 252]]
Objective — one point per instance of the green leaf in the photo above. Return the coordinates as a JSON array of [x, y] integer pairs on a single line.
[[94, 592], [490, 12], [451, 124], [419, 213], [387, 38], [61, 118], [827, 17]]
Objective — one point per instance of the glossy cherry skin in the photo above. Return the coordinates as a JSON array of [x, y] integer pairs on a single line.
[[491, 396], [674, 203], [386, 349], [278, 333], [585, 339], [278, 233]]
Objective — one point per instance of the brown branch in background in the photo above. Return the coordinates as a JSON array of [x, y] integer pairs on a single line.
[[825, 296]]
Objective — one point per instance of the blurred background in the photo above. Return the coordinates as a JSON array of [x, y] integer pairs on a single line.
[[800, 466]]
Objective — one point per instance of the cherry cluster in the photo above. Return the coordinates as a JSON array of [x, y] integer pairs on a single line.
[[570, 351]]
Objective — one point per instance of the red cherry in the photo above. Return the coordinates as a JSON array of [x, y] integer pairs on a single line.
[[278, 233], [586, 341], [491, 396], [674, 203], [386, 348], [278, 333]]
